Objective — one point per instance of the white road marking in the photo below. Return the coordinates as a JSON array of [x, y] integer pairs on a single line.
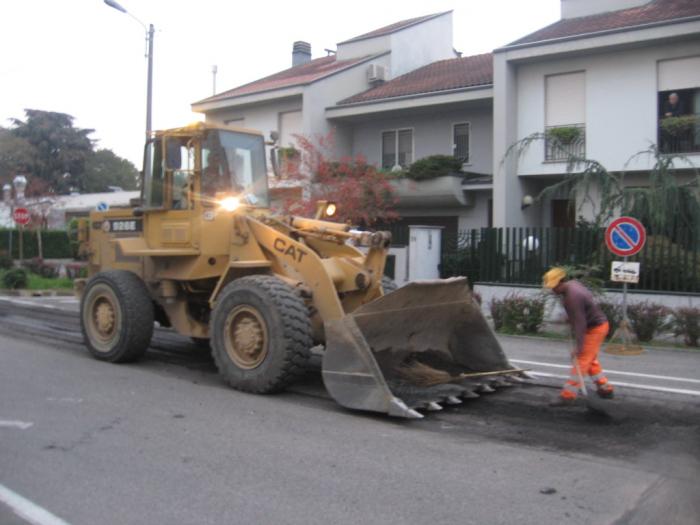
[[28, 510], [29, 303], [631, 385], [608, 371], [22, 425]]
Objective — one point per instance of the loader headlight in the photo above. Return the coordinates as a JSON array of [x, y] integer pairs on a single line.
[[230, 203], [330, 210]]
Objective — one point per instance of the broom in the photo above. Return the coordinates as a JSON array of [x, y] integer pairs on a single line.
[[424, 375]]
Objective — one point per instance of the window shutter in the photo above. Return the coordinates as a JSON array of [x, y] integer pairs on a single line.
[[680, 73], [290, 125], [565, 99]]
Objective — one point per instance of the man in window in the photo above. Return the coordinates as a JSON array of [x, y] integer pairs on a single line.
[[672, 107]]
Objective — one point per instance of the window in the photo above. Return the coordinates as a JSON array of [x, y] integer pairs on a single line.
[[397, 148], [460, 141], [153, 185], [565, 116], [679, 105], [290, 124], [234, 163]]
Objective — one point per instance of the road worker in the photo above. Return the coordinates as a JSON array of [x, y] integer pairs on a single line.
[[589, 327]]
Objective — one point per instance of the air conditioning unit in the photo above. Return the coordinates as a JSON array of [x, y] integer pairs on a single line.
[[376, 73]]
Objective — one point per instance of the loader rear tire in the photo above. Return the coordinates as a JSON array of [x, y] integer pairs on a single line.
[[116, 316], [261, 334]]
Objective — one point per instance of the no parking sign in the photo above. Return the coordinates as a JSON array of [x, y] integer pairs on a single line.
[[625, 236]]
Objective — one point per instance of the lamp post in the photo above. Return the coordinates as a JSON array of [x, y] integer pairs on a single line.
[[7, 198], [20, 184], [150, 31]]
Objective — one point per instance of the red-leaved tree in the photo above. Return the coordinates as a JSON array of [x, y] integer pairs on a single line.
[[363, 194]]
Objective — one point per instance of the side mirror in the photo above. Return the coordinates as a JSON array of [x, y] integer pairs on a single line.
[[173, 156]]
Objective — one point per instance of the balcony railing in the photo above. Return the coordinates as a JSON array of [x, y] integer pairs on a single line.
[[563, 142], [680, 134]]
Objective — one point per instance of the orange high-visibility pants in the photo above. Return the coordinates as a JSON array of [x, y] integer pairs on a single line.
[[588, 363]]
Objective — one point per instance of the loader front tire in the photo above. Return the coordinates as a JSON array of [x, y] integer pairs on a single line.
[[116, 316], [260, 334]]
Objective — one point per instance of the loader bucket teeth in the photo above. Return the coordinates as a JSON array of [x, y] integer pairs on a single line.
[[421, 346]]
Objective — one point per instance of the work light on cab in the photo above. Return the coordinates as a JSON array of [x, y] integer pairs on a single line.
[[230, 203]]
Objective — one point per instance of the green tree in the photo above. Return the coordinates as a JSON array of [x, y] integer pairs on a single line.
[[103, 169], [669, 199], [16, 155], [60, 148]]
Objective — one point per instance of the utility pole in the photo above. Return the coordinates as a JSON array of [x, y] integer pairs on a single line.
[[150, 31], [214, 70]]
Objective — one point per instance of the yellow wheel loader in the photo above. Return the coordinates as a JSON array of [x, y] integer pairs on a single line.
[[201, 252]]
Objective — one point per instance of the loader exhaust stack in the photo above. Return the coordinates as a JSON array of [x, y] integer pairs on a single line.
[[424, 344]]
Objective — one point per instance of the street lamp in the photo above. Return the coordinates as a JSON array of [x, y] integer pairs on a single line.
[[20, 184], [149, 86]]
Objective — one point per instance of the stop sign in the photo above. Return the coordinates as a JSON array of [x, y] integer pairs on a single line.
[[21, 216]]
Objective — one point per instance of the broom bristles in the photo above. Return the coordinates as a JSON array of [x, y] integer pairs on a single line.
[[421, 374]]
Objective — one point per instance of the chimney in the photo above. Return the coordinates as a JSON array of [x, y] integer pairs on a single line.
[[301, 53]]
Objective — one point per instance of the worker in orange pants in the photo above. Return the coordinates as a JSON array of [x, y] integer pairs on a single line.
[[589, 326]]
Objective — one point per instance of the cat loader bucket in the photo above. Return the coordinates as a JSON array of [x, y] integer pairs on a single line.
[[424, 344]]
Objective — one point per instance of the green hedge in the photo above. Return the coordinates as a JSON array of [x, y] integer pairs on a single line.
[[55, 242], [434, 166]]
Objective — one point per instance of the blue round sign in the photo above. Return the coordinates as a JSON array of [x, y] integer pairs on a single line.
[[102, 206], [625, 236]]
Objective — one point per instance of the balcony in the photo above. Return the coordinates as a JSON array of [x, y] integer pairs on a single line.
[[564, 142], [679, 134]]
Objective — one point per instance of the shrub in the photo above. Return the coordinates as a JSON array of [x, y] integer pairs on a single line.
[[565, 134], [647, 319], [5, 261], [517, 314], [496, 306], [613, 311], [686, 322], [15, 278], [39, 267], [55, 242], [434, 166]]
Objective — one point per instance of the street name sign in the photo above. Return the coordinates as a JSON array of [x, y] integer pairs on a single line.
[[624, 272]]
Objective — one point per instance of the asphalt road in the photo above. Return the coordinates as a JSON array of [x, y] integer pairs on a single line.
[[164, 441]]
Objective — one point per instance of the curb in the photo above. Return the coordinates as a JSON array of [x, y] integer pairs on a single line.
[[36, 293]]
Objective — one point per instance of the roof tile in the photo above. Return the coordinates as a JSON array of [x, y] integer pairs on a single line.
[[654, 11], [294, 76], [443, 75]]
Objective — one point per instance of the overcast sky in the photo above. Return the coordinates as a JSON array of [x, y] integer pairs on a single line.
[[83, 58]]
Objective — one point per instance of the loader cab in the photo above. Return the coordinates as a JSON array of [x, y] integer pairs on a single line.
[[197, 168]]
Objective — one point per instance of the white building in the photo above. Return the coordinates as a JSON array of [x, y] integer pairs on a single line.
[[401, 92], [392, 95], [606, 68]]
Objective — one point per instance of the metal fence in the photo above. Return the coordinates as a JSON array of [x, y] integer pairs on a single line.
[[679, 134], [669, 263]]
